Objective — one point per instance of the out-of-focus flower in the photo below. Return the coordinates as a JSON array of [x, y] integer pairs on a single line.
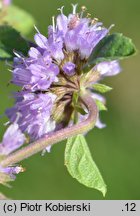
[[12, 139], [6, 2], [108, 68]]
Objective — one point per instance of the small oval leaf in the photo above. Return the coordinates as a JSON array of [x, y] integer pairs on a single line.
[[101, 88], [100, 105], [112, 47], [80, 164]]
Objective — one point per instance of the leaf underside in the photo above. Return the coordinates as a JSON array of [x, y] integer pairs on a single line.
[[80, 164]]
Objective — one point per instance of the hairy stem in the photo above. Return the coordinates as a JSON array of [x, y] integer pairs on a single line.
[[57, 136]]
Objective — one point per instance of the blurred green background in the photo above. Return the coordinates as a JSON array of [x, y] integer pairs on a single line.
[[116, 149]]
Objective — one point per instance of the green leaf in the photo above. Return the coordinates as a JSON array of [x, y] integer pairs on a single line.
[[112, 47], [80, 164], [11, 40], [101, 88], [75, 98], [100, 105], [80, 110], [19, 19]]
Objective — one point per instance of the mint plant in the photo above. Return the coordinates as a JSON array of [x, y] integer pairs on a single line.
[[59, 76]]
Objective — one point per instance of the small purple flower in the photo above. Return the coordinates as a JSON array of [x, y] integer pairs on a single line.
[[53, 44], [12, 140], [80, 34], [108, 68], [69, 68], [11, 171], [41, 40]]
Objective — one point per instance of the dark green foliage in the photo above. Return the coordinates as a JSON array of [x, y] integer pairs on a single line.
[[112, 47], [10, 40]]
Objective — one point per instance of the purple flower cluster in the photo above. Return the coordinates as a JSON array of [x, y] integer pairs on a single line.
[[50, 74], [36, 72], [32, 113]]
